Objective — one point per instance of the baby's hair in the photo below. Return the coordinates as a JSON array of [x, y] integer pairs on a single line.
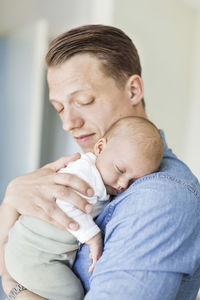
[[144, 136]]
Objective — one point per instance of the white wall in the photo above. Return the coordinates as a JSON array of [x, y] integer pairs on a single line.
[[21, 97], [163, 32], [192, 140], [60, 14], [2, 115]]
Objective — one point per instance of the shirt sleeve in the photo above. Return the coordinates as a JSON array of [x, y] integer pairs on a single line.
[[138, 286], [150, 243]]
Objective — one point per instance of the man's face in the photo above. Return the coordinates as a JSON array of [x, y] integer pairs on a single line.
[[88, 102]]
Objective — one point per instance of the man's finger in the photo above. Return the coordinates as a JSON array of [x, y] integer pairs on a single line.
[[70, 196], [56, 217], [74, 182]]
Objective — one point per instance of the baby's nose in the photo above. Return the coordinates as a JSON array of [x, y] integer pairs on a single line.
[[123, 183]]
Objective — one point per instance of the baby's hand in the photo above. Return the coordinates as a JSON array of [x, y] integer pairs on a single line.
[[96, 248]]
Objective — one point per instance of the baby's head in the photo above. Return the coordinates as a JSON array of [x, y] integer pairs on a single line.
[[130, 149]]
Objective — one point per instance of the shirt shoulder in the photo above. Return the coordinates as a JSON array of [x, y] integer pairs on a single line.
[[157, 219]]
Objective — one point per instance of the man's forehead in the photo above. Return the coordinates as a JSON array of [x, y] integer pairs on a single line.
[[77, 60], [70, 83], [61, 81], [84, 71], [72, 94]]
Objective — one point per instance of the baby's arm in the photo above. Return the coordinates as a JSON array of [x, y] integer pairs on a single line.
[[96, 249], [88, 232]]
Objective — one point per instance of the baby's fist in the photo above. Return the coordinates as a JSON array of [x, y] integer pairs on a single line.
[[96, 248]]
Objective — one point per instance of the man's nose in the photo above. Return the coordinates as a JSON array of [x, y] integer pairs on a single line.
[[71, 119]]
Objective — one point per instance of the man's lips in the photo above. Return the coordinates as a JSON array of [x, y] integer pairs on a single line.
[[83, 138]]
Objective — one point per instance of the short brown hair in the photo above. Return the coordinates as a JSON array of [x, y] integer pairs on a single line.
[[111, 45]]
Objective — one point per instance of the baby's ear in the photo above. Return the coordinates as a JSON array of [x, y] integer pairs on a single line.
[[100, 146]]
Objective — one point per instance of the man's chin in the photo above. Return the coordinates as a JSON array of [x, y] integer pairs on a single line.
[[87, 146], [87, 149]]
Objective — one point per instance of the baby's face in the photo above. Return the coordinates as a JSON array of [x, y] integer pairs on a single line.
[[120, 164]]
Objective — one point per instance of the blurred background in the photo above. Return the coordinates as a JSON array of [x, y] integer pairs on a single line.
[[167, 35]]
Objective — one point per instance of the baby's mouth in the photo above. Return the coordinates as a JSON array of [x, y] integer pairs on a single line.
[[113, 191], [117, 191]]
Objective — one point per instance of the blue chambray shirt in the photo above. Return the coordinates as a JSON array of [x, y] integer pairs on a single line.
[[151, 239]]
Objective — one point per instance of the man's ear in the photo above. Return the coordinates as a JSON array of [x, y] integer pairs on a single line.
[[135, 89], [100, 146]]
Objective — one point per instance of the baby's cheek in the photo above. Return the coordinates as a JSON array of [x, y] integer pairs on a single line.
[[109, 190], [107, 176]]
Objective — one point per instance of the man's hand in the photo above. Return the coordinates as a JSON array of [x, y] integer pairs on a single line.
[[96, 249], [34, 194]]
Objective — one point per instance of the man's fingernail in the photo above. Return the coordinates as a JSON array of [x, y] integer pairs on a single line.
[[73, 226], [88, 209], [90, 192]]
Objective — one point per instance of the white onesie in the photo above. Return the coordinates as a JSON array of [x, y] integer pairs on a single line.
[[86, 169]]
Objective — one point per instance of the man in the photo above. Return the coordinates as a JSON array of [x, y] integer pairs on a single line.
[[152, 230]]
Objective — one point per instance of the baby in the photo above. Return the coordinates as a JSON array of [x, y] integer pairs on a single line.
[[40, 255]]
